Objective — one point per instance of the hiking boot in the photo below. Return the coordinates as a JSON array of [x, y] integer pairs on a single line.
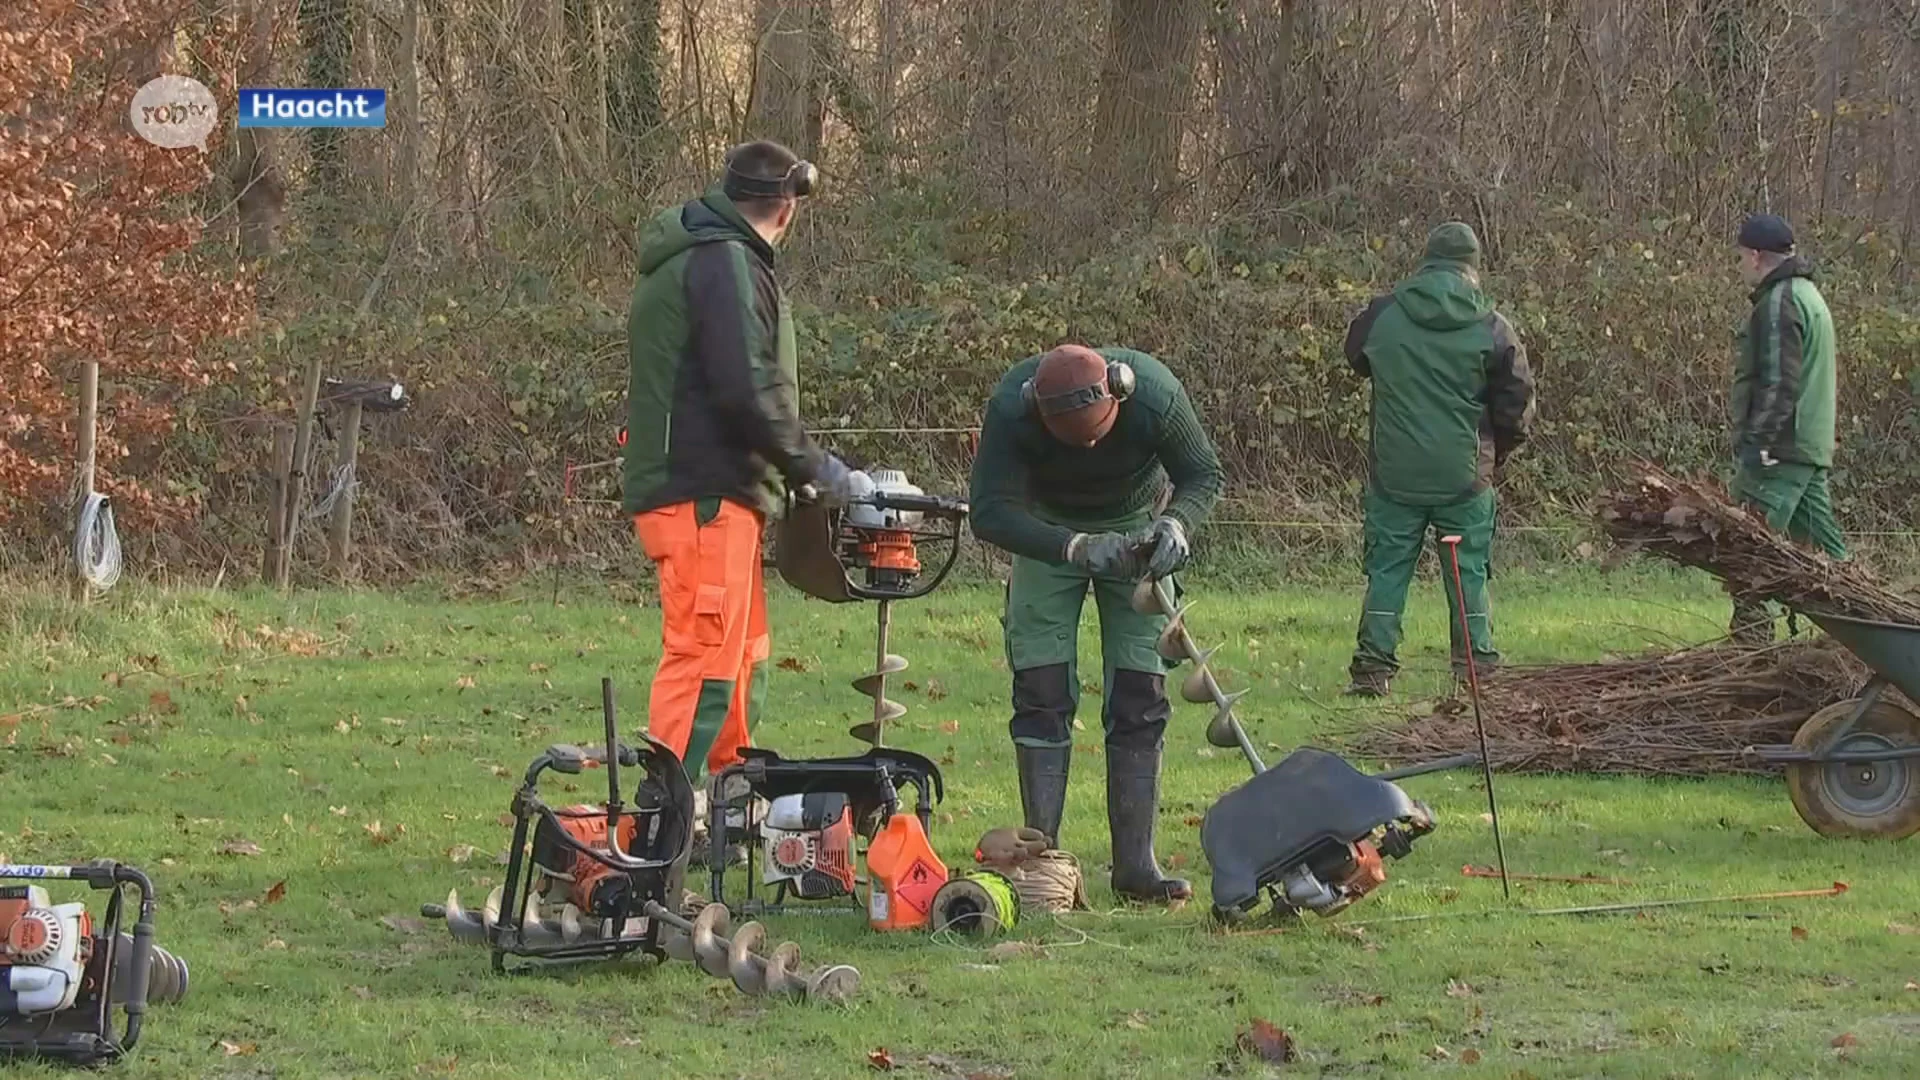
[[1133, 805], [1043, 787], [1370, 684]]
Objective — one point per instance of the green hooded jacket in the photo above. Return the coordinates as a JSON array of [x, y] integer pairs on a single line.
[[1452, 393], [1785, 376], [712, 395]]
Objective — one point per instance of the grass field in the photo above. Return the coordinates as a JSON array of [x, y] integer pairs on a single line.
[[353, 745]]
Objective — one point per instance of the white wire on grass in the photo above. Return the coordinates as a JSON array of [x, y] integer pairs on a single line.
[[96, 543]]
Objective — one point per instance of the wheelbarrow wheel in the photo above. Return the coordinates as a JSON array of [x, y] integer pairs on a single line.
[[1879, 799]]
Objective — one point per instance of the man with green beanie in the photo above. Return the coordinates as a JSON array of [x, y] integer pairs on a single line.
[[1784, 383], [1452, 398], [1077, 448]]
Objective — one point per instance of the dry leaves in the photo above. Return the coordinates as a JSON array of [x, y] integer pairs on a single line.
[[277, 893], [1798, 933], [1469, 1056], [791, 663], [1903, 929], [460, 853], [950, 727], [234, 1049], [379, 835], [240, 847], [1458, 989], [1266, 1042], [1014, 950], [1844, 1041], [404, 924], [880, 1060], [161, 702], [463, 683]]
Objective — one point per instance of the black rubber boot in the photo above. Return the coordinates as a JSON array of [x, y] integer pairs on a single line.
[[1133, 804], [1043, 787]]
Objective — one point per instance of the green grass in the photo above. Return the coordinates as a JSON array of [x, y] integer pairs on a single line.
[[208, 732]]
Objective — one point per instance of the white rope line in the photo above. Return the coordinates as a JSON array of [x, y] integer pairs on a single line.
[[343, 481]]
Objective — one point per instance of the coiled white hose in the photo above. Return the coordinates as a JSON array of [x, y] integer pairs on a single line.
[[96, 543]]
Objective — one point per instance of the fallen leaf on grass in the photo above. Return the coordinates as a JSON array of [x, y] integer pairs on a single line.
[[1799, 933], [1458, 989], [1844, 1040], [276, 943], [879, 1059], [1469, 1056], [445, 1065], [1191, 821], [935, 691], [1267, 1042], [362, 993], [161, 702], [1439, 1053], [1903, 928], [234, 1049], [337, 811], [460, 852], [537, 668], [277, 893], [405, 924], [950, 726], [504, 820], [240, 847], [464, 682], [1911, 985], [1137, 1020], [1176, 860], [378, 833], [791, 663]]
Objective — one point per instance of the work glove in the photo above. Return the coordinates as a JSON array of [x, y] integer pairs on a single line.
[[1169, 547], [1757, 457], [1105, 554], [1009, 847], [832, 485]]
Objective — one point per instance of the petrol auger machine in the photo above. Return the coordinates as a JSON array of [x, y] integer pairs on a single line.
[[1309, 832], [62, 974], [803, 821], [600, 882]]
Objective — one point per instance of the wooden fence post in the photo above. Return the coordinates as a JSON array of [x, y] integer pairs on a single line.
[[277, 508], [297, 489], [89, 441]]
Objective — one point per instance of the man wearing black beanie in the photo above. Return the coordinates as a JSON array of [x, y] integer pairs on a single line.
[[1783, 403]]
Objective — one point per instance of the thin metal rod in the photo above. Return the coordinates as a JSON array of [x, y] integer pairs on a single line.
[[1479, 725], [1835, 889], [1458, 761]]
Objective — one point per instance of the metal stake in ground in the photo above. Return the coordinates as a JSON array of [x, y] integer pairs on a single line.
[[1479, 725]]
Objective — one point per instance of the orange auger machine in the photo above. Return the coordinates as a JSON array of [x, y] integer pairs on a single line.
[[806, 843], [62, 973], [601, 882]]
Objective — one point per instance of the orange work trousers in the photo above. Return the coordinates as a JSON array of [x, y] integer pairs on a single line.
[[713, 629]]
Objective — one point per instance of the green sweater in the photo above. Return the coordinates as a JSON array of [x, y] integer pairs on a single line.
[[1784, 380], [1032, 492]]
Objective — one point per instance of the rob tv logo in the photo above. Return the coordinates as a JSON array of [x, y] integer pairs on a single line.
[[308, 107]]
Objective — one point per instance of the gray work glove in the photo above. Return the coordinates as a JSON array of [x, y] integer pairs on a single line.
[[831, 486], [1169, 547], [1105, 554]]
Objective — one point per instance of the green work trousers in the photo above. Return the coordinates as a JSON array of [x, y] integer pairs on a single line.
[[1042, 625], [1395, 533], [1794, 499]]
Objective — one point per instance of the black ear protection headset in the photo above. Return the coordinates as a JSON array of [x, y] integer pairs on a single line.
[[1118, 386], [799, 182]]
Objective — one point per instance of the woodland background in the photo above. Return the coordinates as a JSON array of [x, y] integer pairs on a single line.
[[1221, 183]]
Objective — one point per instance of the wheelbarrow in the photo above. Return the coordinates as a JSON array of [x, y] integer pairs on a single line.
[[1853, 769]]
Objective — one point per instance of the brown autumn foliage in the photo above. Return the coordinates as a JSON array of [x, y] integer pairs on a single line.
[[95, 231]]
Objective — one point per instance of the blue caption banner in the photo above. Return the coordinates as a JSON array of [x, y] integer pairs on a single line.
[[308, 107]]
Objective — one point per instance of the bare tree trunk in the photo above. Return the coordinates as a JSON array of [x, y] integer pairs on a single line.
[[411, 183], [635, 113], [326, 31], [260, 191], [1145, 86], [788, 104]]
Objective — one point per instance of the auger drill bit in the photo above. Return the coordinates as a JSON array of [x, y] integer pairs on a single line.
[[1155, 597], [706, 941], [874, 684]]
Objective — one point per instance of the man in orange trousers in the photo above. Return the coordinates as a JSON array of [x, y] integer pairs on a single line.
[[714, 442]]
